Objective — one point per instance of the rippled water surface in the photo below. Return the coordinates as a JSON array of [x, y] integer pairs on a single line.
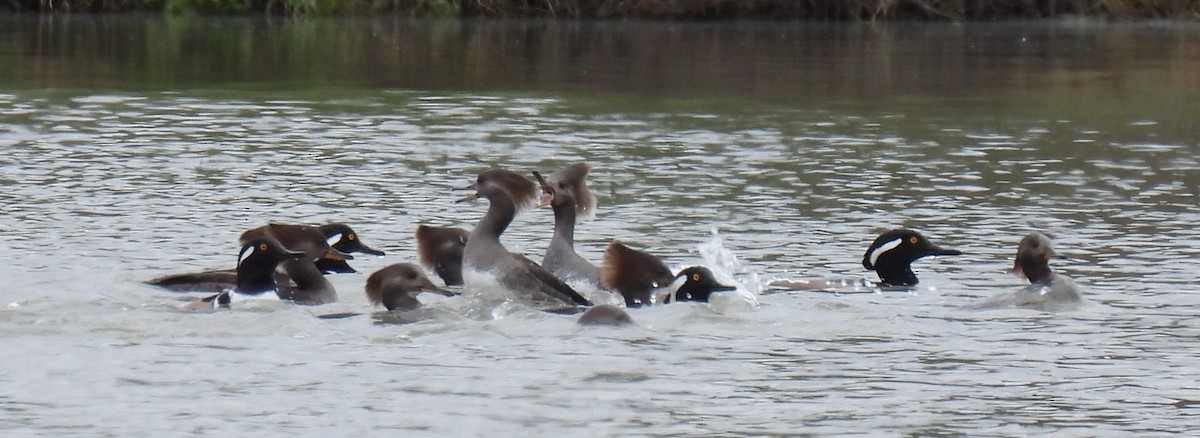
[[135, 147]]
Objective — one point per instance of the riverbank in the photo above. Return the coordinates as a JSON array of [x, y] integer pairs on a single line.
[[847, 10]]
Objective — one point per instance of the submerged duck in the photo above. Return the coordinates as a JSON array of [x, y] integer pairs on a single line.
[[397, 286], [605, 314], [891, 256], [566, 191], [343, 239], [1047, 290], [637, 275], [508, 193], [441, 250], [255, 272]]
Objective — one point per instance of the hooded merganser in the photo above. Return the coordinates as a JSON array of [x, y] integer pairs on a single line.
[[636, 275], [397, 286], [255, 271], [507, 193], [566, 191], [605, 314], [891, 256], [343, 239], [1047, 290], [441, 250], [300, 280]]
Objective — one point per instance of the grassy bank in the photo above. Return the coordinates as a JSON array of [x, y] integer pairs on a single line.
[[681, 9]]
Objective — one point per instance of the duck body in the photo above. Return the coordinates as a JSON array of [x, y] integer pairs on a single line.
[[890, 255], [508, 192], [1047, 290], [568, 195]]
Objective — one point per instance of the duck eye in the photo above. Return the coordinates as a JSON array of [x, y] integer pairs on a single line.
[[262, 246], [912, 240], [350, 236], [695, 277]]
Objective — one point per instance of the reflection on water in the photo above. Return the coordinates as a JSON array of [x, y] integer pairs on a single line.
[[139, 146]]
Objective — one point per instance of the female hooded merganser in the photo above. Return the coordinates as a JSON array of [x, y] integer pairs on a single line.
[[507, 193], [566, 191], [342, 238], [441, 250], [255, 271], [397, 286], [1047, 290], [636, 275], [891, 256]]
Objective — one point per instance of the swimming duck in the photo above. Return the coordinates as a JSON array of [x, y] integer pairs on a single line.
[[397, 286], [508, 193], [300, 280], [892, 253], [1047, 290], [566, 191], [441, 250], [255, 271], [637, 275], [342, 238]]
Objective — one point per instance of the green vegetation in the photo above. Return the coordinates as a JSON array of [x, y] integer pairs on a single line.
[[687, 9]]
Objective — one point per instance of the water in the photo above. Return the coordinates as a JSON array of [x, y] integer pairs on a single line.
[[138, 146]]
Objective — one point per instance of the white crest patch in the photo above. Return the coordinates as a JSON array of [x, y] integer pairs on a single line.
[[334, 239], [247, 252], [890, 245]]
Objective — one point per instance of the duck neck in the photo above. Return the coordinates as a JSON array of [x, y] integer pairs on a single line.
[[255, 277], [500, 213], [1038, 273], [564, 224], [896, 275]]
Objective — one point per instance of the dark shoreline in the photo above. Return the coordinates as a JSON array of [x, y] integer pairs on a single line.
[[832, 10]]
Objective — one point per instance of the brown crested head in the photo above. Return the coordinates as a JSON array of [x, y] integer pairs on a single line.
[[573, 180], [633, 273], [501, 182], [1033, 257], [396, 286], [432, 241]]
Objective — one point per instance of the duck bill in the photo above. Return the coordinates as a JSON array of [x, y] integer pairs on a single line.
[[367, 250], [547, 192], [333, 254], [939, 251], [437, 290]]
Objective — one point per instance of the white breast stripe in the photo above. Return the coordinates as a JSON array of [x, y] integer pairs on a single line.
[[890, 245], [334, 239]]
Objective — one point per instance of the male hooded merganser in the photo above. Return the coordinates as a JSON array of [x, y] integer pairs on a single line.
[[891, 256], [636, 275], [507, 193], [342, 238], [300, 280], [605, 314], [441, 250], [1047, 290], [397, 286], [255, 271], [566, 191]]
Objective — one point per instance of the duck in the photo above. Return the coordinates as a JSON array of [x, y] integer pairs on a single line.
[[440, 249], [397, 286], [484, 256], [255, 271], [638, 275], [1047, 290], [567, 193], [300, 280], [605, 315], [343, 239], [890, 255]]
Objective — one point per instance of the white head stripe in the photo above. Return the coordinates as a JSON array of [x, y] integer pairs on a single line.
[[247, 252], [334, 239], [890, 245]]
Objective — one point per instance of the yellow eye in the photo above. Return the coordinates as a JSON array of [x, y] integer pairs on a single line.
[[351, 236], [695, 277], [262, 246], [912, 240]]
